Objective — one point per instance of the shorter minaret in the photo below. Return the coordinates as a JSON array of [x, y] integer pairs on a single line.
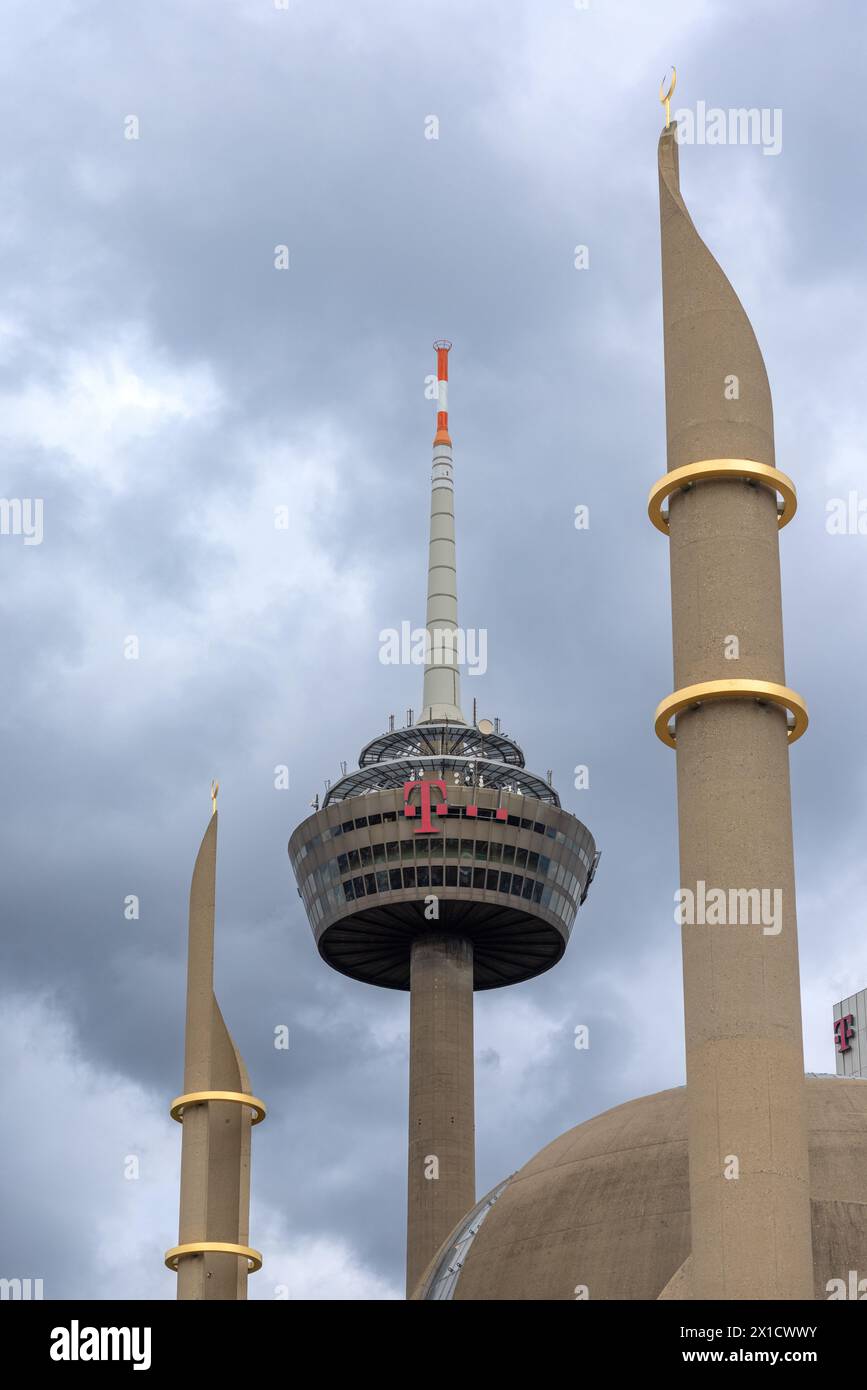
[[213, 1257]]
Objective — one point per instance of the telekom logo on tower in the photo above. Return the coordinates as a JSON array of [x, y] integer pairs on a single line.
[[440, 809], [844, 1032]]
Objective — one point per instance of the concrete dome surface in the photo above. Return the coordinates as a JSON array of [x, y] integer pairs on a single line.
[[606, 1206]]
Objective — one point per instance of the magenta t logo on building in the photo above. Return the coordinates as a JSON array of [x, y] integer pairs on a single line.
[[441, 808], [425, 789], [844, 1032]]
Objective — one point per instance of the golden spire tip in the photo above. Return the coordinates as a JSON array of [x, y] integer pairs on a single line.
[[215, 787], [665, 96]]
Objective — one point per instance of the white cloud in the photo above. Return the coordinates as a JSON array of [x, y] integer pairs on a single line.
[[103, 399]]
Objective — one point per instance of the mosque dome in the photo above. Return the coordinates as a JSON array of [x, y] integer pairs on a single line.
[[606, 1206]]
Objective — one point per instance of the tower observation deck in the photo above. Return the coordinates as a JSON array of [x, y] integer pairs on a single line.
[[441, 865]]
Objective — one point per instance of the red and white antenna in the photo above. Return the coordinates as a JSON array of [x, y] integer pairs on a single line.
[[441, 699], [443, 347]]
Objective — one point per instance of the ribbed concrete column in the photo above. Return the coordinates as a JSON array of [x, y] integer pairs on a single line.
[[442, 698], [441, 1096], [751, 1233]]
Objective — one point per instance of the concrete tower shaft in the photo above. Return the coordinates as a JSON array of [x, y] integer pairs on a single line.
[[441, 1167], [748, 1159], [441, 699]]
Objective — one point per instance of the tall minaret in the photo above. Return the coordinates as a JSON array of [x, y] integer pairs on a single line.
[[213, 1256], [441, 698], [441, 865], [734, 719]]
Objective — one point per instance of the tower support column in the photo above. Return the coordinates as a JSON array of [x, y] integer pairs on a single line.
[[441, 1178]]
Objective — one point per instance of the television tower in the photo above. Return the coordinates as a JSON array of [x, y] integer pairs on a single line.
[[442, 866]]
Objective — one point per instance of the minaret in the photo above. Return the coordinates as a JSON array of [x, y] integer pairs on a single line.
[[441, 866], [731, 719], [213, 1256]]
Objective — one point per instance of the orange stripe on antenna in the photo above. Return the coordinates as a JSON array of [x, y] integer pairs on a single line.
[[443, 347]]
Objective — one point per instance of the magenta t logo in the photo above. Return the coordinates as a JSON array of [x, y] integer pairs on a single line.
[[425, 789], [844, 1032], [441, 808]]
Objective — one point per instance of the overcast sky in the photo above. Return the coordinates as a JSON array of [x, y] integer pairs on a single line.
[[164, 388]]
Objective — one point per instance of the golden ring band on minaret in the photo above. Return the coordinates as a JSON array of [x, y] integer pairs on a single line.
[[218, 1247], [764, 692], [201, 1097], [714, 469]]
